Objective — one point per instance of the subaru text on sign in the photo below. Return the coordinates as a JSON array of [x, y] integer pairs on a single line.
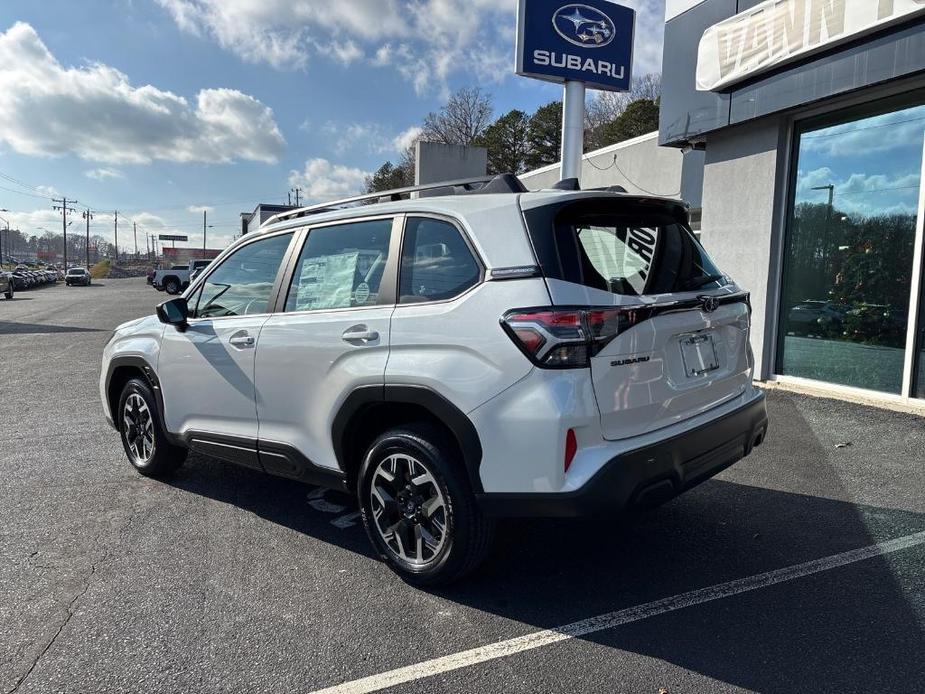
[[590, 42]]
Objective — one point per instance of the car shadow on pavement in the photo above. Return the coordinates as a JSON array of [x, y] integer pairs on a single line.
[[14, 328], [853, 628]]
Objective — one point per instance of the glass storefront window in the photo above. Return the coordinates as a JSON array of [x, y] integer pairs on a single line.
[[847, 276]]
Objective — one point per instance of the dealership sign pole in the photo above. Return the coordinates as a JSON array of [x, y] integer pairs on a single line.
[[579, 44]]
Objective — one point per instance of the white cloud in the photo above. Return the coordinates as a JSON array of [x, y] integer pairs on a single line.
[[102, 174], [369, 137], [404, 140], [322, 180], [859, 193], [48, 191], [29, 222], [94, 112], [424, 40], [199, 209]]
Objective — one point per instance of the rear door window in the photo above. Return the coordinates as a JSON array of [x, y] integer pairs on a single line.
[[436, 262]]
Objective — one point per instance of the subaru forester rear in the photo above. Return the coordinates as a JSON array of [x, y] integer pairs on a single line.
[[450, 360]]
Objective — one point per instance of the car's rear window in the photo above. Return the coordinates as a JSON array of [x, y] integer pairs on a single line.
[[624, 248]]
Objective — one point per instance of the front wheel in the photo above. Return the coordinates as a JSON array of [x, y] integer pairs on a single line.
[[418, 508], [9, 292], [172, 286], [143, 438]]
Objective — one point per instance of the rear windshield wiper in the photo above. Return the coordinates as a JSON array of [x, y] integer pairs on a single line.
[[703, 281]]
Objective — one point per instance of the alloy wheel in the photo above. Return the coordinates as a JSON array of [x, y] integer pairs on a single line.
[[409, 509], [138, 429]]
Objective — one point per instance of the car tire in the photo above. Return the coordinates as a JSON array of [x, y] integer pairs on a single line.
[[172, 286], [142, 433], [9, 293], [436, 516]]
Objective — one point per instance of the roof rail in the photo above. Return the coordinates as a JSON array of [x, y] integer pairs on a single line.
[[487, 184]]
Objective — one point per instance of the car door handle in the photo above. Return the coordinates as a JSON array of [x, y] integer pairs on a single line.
[[360, 333], [242, 340]]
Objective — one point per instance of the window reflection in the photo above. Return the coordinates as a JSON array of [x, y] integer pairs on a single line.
[[848, 258]]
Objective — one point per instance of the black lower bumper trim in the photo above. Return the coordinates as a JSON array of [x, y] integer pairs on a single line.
[[648, 476]]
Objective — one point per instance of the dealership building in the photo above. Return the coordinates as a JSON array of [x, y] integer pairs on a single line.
[[811, 118]]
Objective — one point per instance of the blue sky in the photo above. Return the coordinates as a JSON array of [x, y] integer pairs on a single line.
[[158, 108], [874, 163]]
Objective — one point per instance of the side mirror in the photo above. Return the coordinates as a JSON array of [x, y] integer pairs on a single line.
[[174, 312]]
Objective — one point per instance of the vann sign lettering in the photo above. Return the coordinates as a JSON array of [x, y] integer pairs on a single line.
[[776, 32]]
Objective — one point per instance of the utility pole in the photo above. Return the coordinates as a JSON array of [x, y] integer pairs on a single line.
[[88, 215], [116, 221], [135, 234], [64, 210], [1, 236], [298, 193], [204, 233]]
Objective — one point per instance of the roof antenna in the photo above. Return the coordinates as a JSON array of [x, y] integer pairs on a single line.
[[567, 184]]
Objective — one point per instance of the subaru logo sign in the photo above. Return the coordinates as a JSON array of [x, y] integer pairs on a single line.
[[582, 25], [589, 41]]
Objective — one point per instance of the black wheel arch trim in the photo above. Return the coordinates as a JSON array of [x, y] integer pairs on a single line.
[[142, 365], [451, 416]]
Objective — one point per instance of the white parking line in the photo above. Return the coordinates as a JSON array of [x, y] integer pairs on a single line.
[[610, 620]]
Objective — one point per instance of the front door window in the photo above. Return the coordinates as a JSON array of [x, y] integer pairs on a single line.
[[848, 265]]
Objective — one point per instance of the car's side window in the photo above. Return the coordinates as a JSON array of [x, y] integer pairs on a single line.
[[242, 284], [436, 262], [341, 266]]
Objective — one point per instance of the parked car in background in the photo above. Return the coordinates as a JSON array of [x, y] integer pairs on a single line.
[[78, 276], [6, 284], [20, 280], [819, 318], [452, 359], [177, 278]]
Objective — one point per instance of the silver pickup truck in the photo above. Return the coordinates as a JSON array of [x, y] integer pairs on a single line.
[[173, 280]]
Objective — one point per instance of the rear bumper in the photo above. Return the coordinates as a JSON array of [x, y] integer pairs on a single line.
[[650, 475]]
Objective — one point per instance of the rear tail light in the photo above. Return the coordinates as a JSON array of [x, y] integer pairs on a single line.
[[567, 338]]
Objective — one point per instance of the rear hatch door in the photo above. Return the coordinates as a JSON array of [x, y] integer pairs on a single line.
[[681, 345]]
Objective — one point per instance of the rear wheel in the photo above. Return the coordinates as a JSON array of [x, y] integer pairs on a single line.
[[143, 437], [418, 508]]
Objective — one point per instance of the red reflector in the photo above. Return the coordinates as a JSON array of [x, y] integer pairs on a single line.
[[571, 448]]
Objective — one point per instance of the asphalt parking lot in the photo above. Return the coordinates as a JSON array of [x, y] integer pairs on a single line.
[[224, 580]]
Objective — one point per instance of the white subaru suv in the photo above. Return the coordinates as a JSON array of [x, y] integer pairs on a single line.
[[451, 355]]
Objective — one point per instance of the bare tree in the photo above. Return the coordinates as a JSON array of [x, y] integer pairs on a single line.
[[606, 107], [462, 119]]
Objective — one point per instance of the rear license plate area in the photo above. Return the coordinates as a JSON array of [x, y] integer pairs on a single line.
[[698, 353]]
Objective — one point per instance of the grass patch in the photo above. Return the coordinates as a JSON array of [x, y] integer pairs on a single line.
[[100, 270]]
